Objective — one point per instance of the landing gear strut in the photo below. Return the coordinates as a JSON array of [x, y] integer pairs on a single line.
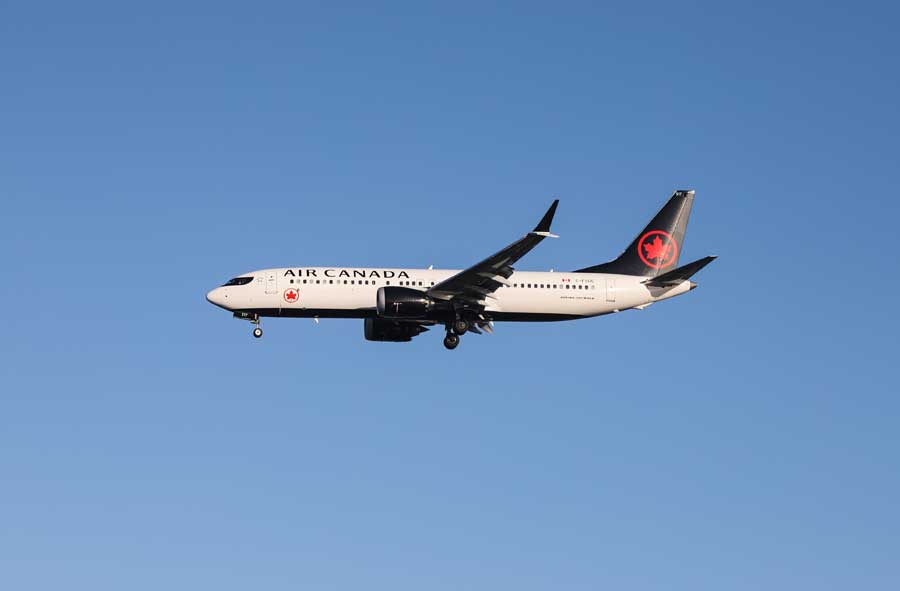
[[451, 341], [253, 318]]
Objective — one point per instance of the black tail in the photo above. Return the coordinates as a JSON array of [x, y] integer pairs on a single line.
[[657, 247]]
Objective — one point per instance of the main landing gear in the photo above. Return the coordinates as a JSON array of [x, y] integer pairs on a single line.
[[451, 341], [456, 329], [465, 322]]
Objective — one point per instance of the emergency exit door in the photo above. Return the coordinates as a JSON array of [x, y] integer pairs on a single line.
[[271, 286]]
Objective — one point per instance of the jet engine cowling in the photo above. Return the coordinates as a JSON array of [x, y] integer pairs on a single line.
[[377, 329], [402, 302]]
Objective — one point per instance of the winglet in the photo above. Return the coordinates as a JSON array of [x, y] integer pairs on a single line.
[[543, 226]]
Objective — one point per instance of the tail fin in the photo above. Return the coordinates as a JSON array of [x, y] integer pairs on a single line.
[[657, 247]]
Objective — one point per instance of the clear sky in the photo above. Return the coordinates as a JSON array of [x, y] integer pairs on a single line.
[[743, 436]]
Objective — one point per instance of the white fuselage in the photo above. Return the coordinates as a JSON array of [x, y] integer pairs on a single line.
[[350, 292]]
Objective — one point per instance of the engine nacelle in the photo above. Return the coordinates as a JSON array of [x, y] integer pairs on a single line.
[[377, 329], [402, 302]]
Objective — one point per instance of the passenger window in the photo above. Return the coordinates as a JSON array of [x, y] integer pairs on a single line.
[[304, 281]]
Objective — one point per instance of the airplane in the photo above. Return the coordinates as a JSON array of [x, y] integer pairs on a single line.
[[399, 304]]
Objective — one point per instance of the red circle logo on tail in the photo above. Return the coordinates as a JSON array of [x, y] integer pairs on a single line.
[[657, 249], [291, 295]]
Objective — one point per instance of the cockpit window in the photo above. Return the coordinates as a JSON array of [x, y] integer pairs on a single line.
[[238, 281]]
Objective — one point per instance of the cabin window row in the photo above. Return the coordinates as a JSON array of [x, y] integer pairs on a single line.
[[422, 283], [552, 286]]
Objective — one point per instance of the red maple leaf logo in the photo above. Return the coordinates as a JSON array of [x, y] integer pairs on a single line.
[[657, 249], [290, 295]]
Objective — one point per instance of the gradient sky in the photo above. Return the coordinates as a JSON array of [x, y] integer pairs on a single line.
[[743, 436]]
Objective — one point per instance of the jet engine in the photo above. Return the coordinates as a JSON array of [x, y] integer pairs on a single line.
[[402, 302], [391, 330]]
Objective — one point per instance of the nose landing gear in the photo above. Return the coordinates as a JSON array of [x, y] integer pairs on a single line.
[[257, 331], [253, 318]]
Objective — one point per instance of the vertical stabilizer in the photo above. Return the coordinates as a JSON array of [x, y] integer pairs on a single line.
[[657, 248]]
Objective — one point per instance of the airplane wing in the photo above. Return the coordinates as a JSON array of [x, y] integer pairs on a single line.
[[479, 281]]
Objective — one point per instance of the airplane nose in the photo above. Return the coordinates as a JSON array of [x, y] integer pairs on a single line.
[[216, 297]]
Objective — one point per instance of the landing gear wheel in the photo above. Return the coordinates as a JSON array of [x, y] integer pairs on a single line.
[[460, 326], [257, 332], [451, 341]]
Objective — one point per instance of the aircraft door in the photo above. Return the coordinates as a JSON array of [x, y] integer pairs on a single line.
[[271, 279], [610, 290]]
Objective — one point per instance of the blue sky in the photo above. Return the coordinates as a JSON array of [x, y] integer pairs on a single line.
[[743, 436]]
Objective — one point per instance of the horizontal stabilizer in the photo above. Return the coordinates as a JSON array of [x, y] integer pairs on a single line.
[[676, 276]]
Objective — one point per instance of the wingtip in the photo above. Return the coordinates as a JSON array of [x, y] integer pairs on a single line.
[[544, 224]]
